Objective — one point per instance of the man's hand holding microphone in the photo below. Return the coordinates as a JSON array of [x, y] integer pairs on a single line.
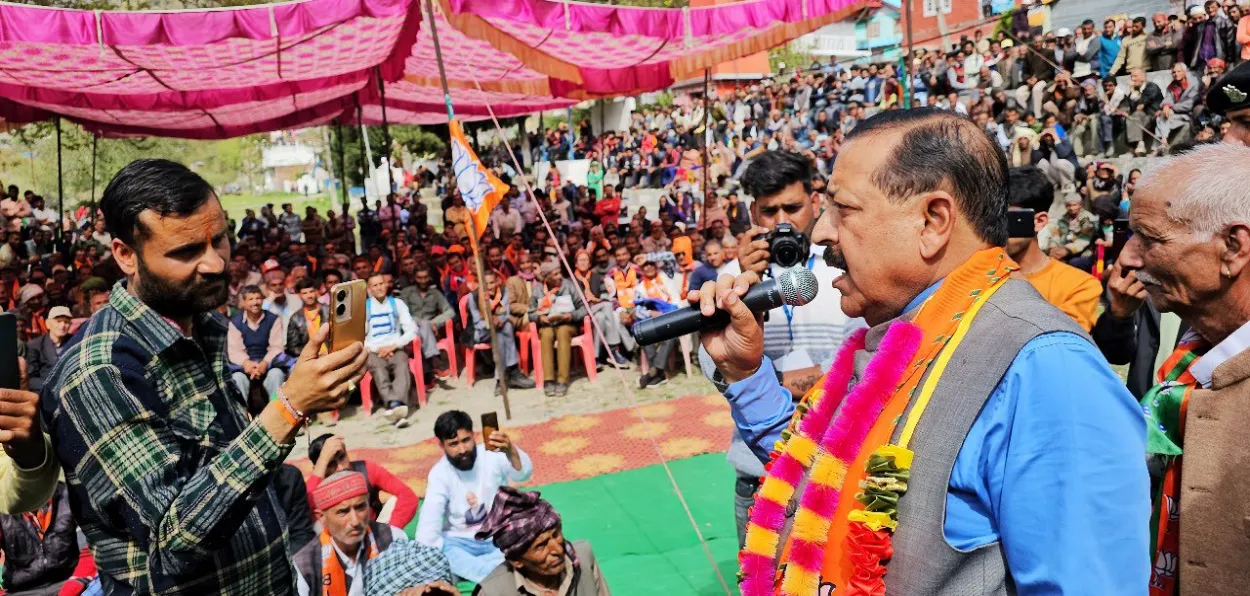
[[737, 348]]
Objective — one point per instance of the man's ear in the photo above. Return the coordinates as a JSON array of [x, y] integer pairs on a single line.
[[939, 222], [1040, 221], [1236, 250], [125, 256]]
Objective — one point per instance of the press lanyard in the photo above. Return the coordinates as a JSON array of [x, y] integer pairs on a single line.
[[789, 310]]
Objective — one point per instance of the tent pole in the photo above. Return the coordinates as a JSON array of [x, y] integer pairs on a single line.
[[386, 134], [907, 62], [482, 303], [707, 109], [60, 185], [338, 133], [91, 215]]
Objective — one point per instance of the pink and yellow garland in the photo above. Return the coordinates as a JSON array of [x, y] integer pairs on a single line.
[[797, 452]]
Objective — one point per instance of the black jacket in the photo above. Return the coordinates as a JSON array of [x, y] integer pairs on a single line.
[[297, 330], [1151, 99], [288, 481], [31, 562], [41, 356]]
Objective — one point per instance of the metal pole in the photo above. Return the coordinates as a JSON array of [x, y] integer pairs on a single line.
[[386, 135], [91, 214], [483, 305], [707, 174], [60, 185], [338, 133], [910, 51]]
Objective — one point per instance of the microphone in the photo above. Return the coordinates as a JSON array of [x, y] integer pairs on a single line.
[[795, 286]]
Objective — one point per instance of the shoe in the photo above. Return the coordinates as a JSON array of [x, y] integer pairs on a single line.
[[498, 389], [516, 380], [652, 379], [402, 423], [561, 390], [549, 389], [620, 359], [396, 414]]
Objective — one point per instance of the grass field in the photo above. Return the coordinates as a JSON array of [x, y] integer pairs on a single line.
[[236, 204]]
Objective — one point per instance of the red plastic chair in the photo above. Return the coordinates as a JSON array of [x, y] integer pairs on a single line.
[[470, 351], [448, 344], [415, 366], [585, 342], [523, 352]]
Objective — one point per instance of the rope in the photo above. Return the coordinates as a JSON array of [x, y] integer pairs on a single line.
[[595, 325]]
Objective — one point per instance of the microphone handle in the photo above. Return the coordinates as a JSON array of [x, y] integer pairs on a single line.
[[762, 297]]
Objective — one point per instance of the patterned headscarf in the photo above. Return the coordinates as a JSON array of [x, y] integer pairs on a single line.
[[516, 519]]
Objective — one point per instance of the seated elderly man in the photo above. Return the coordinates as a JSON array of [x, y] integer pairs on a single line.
[[352, 548], [537, 557], [559, 312], [1190, 250], [255, 344]]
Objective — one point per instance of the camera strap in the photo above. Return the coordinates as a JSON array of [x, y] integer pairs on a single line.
[[789, 310]]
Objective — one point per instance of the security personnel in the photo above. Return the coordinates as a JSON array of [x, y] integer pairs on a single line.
[[1229, 96]]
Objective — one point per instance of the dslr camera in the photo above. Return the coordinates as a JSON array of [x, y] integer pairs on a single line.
[[787, 247]]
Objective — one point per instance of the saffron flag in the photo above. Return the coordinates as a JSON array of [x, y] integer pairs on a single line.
[[480, 188]]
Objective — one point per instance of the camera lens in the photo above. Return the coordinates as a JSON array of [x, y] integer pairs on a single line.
[[342, 295], [787, 255], [341, 310]]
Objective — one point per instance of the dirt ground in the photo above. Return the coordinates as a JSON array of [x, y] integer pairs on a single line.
[[530, 406]]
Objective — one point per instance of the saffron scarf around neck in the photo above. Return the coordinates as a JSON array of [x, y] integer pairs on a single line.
[[333, 576]]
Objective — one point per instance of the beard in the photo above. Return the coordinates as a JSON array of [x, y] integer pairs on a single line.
[[465, 461], [202, 293]]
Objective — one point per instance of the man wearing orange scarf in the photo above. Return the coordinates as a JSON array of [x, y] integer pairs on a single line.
[[1016, 469], [335, 564]]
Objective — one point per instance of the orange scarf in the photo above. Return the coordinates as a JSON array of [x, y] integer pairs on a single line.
[[656, 290], [626, 282], [585, 279], [333, 577]]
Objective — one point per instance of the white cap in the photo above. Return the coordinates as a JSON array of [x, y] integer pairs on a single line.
[[1196, 11], [1063, 32]]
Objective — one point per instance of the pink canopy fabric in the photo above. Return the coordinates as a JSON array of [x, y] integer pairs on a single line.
[[222, 73]]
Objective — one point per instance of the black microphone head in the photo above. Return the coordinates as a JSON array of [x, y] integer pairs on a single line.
[[798, 285]]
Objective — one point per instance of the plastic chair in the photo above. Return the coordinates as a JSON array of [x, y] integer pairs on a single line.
[[470, 351], [683, 343], [585, 342], [448, 344], [523, 351], [415, 366]]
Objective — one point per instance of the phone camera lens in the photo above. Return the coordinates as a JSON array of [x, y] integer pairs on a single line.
[[341, 310], [341, 296]]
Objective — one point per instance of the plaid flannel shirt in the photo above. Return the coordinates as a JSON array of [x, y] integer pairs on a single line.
[[168, 479], [404, 565]]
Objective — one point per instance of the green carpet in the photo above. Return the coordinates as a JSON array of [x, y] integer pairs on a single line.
[[640, 532]]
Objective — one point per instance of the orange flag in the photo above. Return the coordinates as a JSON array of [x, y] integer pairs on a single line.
[[479, 187]]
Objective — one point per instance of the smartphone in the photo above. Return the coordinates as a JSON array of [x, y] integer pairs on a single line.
[[10, 377], [490, 424], [1020, 223], [347, 314], [1119, 237]]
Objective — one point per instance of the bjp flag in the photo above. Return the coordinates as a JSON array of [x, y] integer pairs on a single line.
[[479, 187]]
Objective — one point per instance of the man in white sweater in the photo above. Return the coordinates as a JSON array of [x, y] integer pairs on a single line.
[[389, 329], [460, 491]]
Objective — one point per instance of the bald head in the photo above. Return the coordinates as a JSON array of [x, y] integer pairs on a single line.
[[936, 150]]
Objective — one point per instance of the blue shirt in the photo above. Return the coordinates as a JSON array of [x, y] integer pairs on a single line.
[[1053, 468]]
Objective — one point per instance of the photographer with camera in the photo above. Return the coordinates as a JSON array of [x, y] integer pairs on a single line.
[[801, 340]]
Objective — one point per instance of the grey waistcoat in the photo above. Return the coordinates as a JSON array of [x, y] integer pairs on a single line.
[[923, 563]]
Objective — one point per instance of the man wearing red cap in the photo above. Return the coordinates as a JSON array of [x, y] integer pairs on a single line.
[[335, 564]]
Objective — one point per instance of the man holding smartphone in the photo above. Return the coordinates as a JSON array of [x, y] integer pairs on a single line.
[[169, 478], [1069, 289]]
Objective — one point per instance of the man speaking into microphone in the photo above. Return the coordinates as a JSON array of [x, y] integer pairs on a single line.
[[973, 431]]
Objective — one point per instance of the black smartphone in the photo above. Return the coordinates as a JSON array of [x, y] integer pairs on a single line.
[[1020, 223], [1120, 234], [10, 377], [490, 424]]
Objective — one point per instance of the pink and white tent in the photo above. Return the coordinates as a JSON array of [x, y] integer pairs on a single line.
[[222, 73]]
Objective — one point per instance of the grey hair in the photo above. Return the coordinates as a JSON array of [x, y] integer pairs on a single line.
[[1208, 187]]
